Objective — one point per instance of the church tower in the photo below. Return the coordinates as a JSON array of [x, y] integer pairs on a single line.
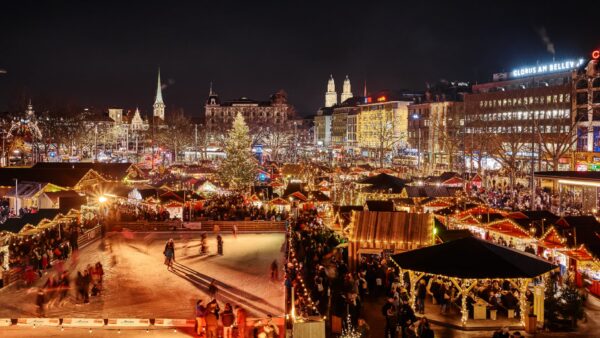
[[29, 112], [331, 94], [159, 105], [346, 90]]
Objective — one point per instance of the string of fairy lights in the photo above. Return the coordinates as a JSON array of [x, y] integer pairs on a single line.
[[304, 290]]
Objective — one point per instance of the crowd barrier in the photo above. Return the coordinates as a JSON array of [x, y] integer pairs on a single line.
[[224, 226], [117, 322], [89, 236]]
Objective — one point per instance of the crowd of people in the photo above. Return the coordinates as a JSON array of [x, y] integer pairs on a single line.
[[131, 212], [233, 320], [316, 271], [234, 207], [59, 285], [35, 254], [502, 196]]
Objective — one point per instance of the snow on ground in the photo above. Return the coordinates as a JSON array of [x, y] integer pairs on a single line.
[[138, 284]]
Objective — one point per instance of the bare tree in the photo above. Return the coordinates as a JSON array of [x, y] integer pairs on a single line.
[[507, 148], [177, 133]]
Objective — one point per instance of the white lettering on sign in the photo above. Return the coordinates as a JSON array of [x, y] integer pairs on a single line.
[[547, 68]]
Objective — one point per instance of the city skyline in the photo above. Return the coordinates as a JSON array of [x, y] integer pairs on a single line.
[[108, 56]]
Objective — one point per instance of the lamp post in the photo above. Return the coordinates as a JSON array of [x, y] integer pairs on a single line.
[[418, 122]]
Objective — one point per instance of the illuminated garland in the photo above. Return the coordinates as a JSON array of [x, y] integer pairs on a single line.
[[299, 274]]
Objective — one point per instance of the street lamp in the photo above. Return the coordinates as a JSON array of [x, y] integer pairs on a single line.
[[416, 118]]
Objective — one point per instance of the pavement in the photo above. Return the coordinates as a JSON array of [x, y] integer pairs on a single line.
[[137, 284]]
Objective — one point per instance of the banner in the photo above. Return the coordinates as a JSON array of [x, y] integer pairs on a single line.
[[175, 322], [128, 322], [38, 321], [83, 322]]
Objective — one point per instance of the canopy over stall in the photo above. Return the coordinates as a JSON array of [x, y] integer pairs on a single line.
[[469, 259]]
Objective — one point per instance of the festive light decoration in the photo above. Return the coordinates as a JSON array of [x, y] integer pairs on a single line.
[[349, 331], [304, 290]]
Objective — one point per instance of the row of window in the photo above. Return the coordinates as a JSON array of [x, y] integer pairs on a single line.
[[523, 101], [245, 113], [519, 129], [523, 115]]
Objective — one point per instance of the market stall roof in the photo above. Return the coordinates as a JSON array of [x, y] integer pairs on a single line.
[[580, 254], [319, 196], [16, 224], [375, 205], [509, 228], [111, 171], [384, 182], [452, 235], [279, 201], [570, 175], [474, 258], [480, 210]]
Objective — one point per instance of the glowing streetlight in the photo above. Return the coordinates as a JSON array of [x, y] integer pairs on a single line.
[[102, 199]]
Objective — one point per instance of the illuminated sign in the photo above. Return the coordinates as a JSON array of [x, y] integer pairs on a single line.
[[596, 54], [381, 99], [547, 68]]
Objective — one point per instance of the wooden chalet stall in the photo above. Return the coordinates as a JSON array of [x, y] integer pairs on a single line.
[[387, 232]]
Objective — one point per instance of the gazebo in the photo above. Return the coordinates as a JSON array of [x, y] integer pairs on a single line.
[[468, 260]]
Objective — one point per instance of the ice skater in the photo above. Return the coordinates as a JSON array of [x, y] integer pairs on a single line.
[[234, 230], [169, 254], [203, 245], [274, 271], [219, 245]]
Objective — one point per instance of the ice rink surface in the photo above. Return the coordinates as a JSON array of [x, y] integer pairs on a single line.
[[137, 283]]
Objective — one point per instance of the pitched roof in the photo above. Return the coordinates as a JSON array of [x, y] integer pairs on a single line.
[[16, 224], [66, 177], [112, 171], [384, 182], [471, 257], [379, 205]]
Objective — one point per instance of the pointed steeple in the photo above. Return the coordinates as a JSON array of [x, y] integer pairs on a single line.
[[159, 105], [365, 89], [159, 97], [210, 92]]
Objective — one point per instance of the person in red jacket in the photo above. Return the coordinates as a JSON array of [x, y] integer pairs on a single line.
[[227, 319]]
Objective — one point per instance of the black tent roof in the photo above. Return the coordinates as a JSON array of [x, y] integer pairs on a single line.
[[471, 257], [384, 182], [15, 224]]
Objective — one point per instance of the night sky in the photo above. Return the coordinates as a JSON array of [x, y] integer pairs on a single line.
[[102, 53]]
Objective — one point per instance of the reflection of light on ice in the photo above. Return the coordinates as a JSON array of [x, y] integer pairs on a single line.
[[137, 283]]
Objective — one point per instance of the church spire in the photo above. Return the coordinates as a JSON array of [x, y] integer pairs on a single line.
[[159, 105], [158, 90]]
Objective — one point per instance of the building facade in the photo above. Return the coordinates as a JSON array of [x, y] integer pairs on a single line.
[[274, 112], [435, 126], [382, 123], [586, 107], [322, 127], [523, 118]]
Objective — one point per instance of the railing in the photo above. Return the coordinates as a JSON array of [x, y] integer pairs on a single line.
[[16, 274], [224, 226]]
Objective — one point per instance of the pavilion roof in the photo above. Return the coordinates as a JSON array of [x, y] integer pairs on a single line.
[[473, 258]]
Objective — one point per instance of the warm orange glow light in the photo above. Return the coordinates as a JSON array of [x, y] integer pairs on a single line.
[[596, 54], [381, 99]]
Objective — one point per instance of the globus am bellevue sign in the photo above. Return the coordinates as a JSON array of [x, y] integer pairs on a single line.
[[547, 68]]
